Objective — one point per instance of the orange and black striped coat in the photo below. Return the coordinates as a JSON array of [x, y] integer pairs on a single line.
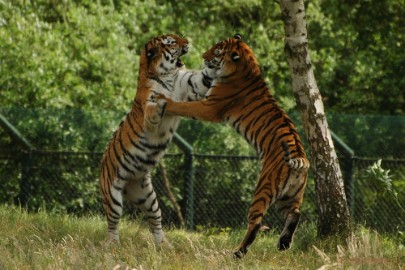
[[239, 96], [143, 136]]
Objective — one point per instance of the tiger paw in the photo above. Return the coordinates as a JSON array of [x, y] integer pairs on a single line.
[[155, 97], [165, 245], [154, 112], [284, 243], [160, 97], [239, 253]]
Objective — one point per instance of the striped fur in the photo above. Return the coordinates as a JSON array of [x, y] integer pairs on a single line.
[[239, 96], [143, 136]]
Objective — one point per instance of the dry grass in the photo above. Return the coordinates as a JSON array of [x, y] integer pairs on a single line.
[[46, 241]]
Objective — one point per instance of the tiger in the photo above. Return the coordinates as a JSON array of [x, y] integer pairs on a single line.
[[143, 135], [239, 96]]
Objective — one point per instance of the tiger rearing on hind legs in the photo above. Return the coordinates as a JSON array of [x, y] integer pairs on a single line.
[[143, 136], [239, 96]]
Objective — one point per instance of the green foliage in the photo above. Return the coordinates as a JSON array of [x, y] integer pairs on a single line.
[[80, 59], [377, 174], [379, 196], [370, 135], [359, 48], [84, 55]]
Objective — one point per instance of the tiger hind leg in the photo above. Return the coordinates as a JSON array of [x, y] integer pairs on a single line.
[[113, 205], [141, 193], [290, 226], [288, 205], [255, 216], [248, 239]]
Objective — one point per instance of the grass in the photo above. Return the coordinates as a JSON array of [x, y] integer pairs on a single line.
[[46, 241]]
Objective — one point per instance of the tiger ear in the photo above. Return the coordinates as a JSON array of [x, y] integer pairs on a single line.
[[238, 36], [235, 56]]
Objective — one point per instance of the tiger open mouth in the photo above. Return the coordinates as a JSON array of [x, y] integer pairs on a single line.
[[184, 51], [179, 63], [210, 64]]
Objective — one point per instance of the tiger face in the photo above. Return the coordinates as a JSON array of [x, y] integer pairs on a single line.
[[161, 55], [230, 56]]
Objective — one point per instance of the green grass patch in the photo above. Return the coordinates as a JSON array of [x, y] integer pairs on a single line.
[[55, 241]]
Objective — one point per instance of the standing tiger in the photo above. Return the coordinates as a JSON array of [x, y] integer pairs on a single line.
[[143, 136], [239, 96]]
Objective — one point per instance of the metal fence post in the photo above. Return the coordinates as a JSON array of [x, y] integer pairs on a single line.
[[16, 136], [350, 171], [188, 179], [24, 194]]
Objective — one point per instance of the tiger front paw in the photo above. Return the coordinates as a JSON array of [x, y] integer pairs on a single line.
[[154, 112], [160, 97]]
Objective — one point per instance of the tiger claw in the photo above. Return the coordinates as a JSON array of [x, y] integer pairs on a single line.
[[154, 112], [161, 104], [155, 97], [238, 254]]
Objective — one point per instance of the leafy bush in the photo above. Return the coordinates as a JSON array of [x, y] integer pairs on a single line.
[[376, 195]]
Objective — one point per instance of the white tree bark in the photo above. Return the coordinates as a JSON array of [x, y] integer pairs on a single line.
[[333, 213]]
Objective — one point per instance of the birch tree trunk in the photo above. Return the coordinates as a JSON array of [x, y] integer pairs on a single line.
[[333, 213]]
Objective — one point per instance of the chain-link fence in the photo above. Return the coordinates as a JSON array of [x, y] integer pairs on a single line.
[[212, 190]]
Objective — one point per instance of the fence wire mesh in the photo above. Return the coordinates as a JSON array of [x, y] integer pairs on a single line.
[[221, 188]]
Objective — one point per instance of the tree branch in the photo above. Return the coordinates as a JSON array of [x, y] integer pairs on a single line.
[[170, 194]]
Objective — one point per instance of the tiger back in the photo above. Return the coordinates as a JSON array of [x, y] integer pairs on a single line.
[[239, 96], [143, 136]]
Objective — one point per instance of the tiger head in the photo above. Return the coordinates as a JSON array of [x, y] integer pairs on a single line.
[[161, 55], [231, 57]]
